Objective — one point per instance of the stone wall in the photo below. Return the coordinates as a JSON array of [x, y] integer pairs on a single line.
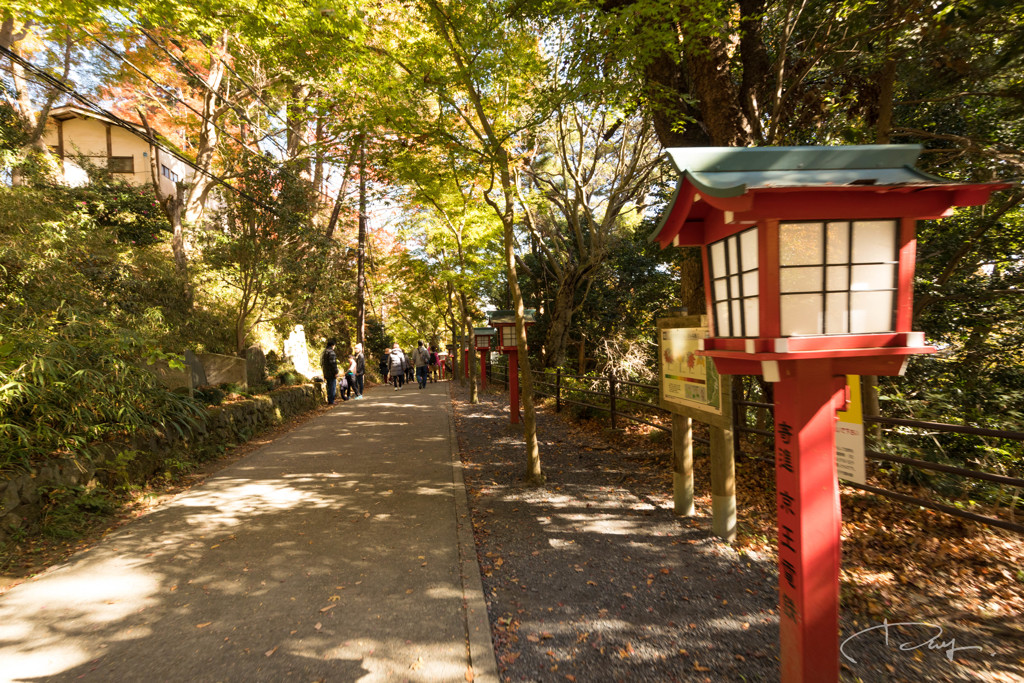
[[21, 502]]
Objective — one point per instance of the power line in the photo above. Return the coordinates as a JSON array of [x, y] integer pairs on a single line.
[[121, 123], [202, 116], [239, 109]]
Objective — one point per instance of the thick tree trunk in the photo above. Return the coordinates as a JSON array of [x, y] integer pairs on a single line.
[[887, 86], [708, 72], [691, 281], [557, 338]]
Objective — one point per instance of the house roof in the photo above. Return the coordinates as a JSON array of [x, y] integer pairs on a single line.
[[70, 111]]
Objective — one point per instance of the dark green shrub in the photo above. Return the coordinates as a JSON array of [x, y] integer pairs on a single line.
[[210, 395]]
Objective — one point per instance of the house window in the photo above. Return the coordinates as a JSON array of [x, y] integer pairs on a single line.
[[837, 277], [734, 285], [168, 173], [121, 164]]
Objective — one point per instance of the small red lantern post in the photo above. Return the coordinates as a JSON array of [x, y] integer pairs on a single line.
[[808, 259], [483, 336], [505, 322]]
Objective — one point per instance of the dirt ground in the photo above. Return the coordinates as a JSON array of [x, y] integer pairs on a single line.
[[593, 578]]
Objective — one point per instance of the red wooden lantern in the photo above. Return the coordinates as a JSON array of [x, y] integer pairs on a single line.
[[808, 259], [505, 322], [482, 337]]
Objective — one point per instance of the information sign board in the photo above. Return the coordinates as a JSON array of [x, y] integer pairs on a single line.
[[688, 379]]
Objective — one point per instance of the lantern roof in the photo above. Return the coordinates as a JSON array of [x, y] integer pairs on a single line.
[[509, 317], [484, 331], [739, 186], [732, 171]]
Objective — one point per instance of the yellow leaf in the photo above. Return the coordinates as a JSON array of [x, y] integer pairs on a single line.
[[204, 624], [324, 609], [469, 674], [272, 651]]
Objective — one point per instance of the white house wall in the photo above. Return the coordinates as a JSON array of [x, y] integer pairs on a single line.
[[89, 137]]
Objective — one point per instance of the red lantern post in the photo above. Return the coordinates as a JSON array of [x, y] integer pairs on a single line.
[[808, 272], [505, 323], [482, 337]]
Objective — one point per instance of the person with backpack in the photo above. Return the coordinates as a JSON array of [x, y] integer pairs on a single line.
[[421, 357], [329, 366], [433, 364], [396, 366]]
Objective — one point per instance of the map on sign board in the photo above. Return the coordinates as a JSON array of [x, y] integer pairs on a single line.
[[688, 379]]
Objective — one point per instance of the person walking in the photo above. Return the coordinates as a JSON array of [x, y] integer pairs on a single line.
[[421, 357], [433, 364], [397, 366], [360, 370], [329, 366]]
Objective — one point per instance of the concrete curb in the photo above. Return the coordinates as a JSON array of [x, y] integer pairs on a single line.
[[478, 627]]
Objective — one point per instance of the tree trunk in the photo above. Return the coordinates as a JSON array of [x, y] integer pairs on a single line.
[[691, 281], [708, 71], [361, 252], [467, 324], [209, 137], [557, 338], [533, 474], [172, 206], [887, 86]]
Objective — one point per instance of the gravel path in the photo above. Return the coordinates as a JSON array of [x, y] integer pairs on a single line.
[[593, 578]]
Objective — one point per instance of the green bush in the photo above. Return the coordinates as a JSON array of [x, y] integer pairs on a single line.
[[210, 395], [68, 510], [71, 380]]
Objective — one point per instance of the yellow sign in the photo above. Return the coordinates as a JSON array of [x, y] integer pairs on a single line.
[[850, 435]]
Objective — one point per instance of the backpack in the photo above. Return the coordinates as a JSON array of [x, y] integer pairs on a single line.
[[433, 358], [329, 363]]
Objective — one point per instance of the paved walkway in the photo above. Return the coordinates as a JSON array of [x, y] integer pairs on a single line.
[[341, 551]]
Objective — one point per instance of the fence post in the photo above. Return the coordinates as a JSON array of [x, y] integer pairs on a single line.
[[682, 465], [558, 389], [611, 393]]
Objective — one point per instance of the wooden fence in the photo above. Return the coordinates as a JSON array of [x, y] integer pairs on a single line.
[[621, 399]]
